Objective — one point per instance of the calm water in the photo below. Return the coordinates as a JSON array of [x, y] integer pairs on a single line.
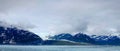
[[58, 48]]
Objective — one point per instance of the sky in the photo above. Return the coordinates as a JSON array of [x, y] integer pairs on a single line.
[[50, 17]]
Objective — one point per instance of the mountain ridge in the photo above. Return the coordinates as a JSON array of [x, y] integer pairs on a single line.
[[92, 39], [16, 36]]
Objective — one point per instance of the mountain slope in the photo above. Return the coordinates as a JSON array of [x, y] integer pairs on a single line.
[[90, 39], [62, 42], [13, 35]]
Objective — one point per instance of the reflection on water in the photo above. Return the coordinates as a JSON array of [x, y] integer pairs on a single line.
[[59, 48]]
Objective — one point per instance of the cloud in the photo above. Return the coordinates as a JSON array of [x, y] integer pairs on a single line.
[[100, 16], [19, 25], [59, 16]]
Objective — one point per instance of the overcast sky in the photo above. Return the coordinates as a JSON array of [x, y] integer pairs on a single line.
[[45, 17]]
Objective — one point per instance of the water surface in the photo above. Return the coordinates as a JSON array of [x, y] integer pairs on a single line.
[[58, 48]]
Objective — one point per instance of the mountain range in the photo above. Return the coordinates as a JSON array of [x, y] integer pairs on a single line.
[[12, 35], [91, 39]]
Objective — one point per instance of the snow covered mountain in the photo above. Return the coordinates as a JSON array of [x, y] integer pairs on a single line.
[[12, 35], [92, 39]]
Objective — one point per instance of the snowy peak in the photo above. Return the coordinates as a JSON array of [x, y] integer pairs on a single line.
[[92, 39], [14, 35]]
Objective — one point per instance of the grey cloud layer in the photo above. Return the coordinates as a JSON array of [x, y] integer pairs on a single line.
[[58, 16]]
